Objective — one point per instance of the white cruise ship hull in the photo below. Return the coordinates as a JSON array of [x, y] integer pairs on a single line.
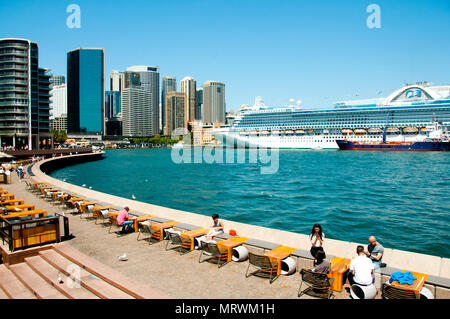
[[324, 141]]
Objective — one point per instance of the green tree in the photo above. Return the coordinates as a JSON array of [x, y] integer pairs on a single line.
[[59, 136]]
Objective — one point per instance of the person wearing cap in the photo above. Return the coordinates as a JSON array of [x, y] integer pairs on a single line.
[[123, 219]]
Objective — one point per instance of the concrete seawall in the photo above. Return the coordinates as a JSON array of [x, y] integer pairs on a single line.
[[431, 265]]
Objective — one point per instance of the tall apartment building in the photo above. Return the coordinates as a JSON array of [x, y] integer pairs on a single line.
[[169, 84], [149, 81], [175, 112], [213, 102], [189, 87], [86, 90], [24, 95]]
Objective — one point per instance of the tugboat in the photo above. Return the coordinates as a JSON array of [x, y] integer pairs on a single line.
[[437, 140]]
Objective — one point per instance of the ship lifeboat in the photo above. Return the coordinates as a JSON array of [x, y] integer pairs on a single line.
[[243, 133], [254, 133], [276, 132], [264, 132], [299, 131], [393, 130], [410, 129], [374, 130], [347, 131], [423, 129], [289, 132], [360, 131]]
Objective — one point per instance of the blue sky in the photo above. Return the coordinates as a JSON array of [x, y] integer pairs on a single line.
[[314, 50]]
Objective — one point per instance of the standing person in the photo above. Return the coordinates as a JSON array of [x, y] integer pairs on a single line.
[[123, 219], [321, 265], [317, 237], [361, 269], [375, 252], [21, 171]]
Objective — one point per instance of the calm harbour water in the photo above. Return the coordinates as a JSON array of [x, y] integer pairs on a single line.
[[403, 198]]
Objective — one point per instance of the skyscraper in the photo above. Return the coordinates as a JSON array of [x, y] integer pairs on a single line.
[[85, 90], [213, 102], [199, 104], [136, 105], [24, 95], [169, 84], [189, 87], [116, 81], [175, 112], [59, 100], [149, 81], [112, 104]]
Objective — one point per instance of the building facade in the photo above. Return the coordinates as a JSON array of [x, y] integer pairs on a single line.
[[24, 96], [59, 100], [175, 112], [86, 90], [189, 86], [149, 81], [59, 123], [57, 80], [136, 112], [116, 80], [199, 104], [112, 104], [169, 84], [213, 102], [202, 133]]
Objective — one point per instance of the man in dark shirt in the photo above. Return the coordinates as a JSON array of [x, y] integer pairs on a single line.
[[375, 252]]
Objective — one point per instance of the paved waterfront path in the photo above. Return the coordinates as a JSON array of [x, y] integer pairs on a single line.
[[167, 271]]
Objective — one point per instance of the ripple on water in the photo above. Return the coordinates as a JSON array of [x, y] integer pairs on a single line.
[[401, 197]]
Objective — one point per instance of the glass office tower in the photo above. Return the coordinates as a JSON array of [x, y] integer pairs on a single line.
[[85, 90]]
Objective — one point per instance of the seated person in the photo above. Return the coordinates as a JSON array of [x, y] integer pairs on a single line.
[[321, 265], [217, 228], [361, 269], [123, 219], [375, 252]]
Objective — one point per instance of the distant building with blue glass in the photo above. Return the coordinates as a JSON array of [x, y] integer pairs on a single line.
[[86, 90]]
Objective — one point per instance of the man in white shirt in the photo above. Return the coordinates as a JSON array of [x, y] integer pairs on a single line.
[[361, 269]]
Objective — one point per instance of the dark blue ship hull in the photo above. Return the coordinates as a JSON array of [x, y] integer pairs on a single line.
[[416, 146]]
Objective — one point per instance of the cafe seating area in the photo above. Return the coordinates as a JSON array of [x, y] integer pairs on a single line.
[[23, 226], [265, 259]]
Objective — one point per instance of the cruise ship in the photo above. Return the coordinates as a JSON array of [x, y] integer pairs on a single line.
[[404, 115]]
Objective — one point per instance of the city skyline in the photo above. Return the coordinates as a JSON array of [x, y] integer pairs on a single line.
[[318, 53]]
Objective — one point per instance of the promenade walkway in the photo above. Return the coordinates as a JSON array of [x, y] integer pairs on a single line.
[[166, 271]]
